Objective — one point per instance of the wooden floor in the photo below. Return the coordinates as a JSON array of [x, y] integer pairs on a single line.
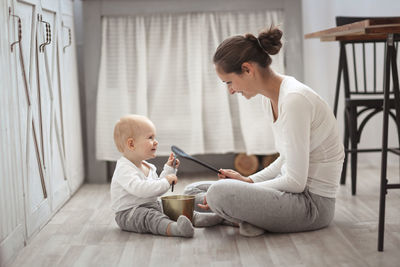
[[83, 233]]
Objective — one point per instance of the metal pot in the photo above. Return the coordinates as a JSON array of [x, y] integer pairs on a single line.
[[176, 205]]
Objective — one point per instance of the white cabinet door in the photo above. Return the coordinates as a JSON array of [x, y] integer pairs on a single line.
[[70, 96], [41, 157], [32, 106], [12, 219], [50, 76]]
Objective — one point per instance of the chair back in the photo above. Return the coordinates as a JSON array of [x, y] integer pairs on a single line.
[[364, 61]]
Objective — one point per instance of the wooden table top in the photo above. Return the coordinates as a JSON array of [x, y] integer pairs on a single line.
[[369, 29]]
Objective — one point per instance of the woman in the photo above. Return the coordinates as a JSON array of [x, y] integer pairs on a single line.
[[297, 191]]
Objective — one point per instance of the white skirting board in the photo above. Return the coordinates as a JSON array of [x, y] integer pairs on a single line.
[[10, 246]]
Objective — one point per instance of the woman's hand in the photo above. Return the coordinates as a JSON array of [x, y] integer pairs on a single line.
[[204, 206], [231, 174], [171, 159]]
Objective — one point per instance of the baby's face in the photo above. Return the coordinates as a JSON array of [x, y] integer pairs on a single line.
[[145, 144]]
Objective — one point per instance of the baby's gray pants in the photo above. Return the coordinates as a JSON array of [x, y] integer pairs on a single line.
[[270, 209], [147, 218]]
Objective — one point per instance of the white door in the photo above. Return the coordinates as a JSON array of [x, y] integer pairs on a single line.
[[33, 135], [70, 96], [50, 20]]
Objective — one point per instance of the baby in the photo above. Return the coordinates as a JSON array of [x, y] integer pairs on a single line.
[[135, 185]]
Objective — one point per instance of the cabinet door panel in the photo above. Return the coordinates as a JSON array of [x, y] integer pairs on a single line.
[[37, 205], [12, 222], [59, 186], [71, 107]]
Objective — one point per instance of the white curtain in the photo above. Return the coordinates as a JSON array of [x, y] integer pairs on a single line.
[[161, 66]]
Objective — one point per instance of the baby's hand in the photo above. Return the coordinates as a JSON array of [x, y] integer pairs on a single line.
[[171, 159], [172, 178]]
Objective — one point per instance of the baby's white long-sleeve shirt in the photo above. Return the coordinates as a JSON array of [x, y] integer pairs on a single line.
[[306, 136], [131, 188]]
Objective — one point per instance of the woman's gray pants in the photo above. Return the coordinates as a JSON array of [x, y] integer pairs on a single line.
[[270, 209]]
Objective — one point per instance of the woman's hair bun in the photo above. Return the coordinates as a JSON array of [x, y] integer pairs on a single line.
[[250, 37], [271, 40]]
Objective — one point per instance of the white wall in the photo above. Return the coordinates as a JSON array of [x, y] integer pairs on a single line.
[[321, 59]]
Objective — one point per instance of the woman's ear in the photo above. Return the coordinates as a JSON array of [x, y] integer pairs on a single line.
[[247, 68], [130, 143]]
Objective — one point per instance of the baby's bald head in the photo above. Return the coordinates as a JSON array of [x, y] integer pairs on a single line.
[[129, 126]]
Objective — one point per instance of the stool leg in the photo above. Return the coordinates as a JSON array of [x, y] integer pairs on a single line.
[[354, 142], [383, 190], [353, 169], [346, 147], [384, 181], [339, 77], [382, 205]]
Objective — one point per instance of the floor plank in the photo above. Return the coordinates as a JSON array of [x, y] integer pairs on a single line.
[[84, 233]]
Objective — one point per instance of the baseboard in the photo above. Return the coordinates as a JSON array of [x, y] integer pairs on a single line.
[[11, 246]]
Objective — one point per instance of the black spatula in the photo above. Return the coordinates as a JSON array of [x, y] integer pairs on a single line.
[[180, 153]]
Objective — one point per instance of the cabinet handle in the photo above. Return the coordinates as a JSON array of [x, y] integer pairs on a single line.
[[21, 57], [19, 29], [48, 34], [69, 36]]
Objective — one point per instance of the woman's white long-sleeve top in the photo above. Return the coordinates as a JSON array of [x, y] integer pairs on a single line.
[[307, 139]]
